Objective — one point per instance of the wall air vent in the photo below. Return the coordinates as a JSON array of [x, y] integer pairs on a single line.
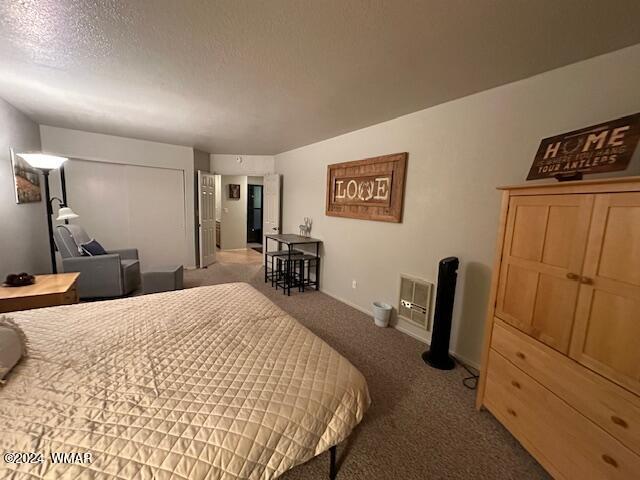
[[415, 301]]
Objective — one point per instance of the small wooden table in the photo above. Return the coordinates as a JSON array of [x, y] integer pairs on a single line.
[[291, 240], [48, 291]]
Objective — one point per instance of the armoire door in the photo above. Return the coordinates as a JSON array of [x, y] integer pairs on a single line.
[[607, 325], [543, 253]]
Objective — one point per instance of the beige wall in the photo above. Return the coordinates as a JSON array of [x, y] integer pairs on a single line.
[[24, 244], [201, 160], [233, 227], [249, 164], [458, 153]]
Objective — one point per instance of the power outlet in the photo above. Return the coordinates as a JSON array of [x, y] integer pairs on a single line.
[[354, 284]]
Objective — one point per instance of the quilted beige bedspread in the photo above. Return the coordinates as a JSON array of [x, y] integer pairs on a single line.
[[212, 382]]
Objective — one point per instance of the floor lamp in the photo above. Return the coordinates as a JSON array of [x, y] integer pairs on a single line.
[[45, 163]]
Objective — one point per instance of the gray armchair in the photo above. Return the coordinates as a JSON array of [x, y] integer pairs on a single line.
[[101, 276]]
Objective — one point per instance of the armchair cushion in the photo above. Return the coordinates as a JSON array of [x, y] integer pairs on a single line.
[[68, 239]]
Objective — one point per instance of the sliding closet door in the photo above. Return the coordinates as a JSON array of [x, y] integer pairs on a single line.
[[157, 215], [98, 193], [131, 206]]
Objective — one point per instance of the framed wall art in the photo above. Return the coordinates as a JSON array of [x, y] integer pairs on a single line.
[[369, 189], [234, 191], [26, 180]]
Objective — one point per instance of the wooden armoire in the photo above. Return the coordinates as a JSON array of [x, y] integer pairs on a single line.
[[561, 360]]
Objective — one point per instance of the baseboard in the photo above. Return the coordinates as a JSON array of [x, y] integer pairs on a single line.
[[406, 331], [346, 302], [464, 360], [454, 354]]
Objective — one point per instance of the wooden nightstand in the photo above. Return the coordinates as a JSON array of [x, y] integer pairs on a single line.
[[48, 291]]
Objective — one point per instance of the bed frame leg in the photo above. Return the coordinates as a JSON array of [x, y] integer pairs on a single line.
[[333, 471]]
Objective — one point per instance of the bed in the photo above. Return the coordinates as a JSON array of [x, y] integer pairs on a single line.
[[211, 382]]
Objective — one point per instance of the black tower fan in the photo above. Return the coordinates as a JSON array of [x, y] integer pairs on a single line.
[[438, 355]]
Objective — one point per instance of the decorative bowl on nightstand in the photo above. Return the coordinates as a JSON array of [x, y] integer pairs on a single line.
[[19, 280]]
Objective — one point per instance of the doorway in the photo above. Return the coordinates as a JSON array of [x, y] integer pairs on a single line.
[[254, 216]]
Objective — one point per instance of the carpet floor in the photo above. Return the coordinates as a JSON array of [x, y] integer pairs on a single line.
[[422, 423]]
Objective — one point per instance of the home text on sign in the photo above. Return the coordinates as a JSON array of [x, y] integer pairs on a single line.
[[373, 189], [605, 147]]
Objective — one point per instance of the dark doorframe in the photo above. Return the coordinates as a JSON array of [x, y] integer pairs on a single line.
[[254, 213]]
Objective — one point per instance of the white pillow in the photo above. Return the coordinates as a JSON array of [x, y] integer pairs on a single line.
[[12, 345]]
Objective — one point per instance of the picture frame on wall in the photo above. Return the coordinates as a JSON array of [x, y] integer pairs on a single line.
[[234, 191], [26, 180], [368, 189]]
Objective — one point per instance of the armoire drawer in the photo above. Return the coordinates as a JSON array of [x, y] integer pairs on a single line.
[[568, 444], [610, 406]]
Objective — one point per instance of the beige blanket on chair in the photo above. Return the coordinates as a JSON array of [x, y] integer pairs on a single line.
[[212, 382]]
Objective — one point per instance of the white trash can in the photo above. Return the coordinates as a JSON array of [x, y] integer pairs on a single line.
[[381, 314]]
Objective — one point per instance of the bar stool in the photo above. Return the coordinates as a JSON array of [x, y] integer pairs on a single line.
[[306, 262], [270, 260], [290, 272]]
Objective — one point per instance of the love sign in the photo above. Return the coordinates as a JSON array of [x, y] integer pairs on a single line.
[[370, 189]]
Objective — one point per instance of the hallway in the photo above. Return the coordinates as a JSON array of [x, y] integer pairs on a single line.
[[246, 256]]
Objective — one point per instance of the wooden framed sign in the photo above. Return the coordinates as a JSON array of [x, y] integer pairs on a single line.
[[369, 189], [606, 147]]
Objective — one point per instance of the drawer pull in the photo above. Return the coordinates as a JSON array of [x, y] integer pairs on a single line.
[[573, 276], [512, 412], [620, 422], [517, 384], [520, 355], [586, 280], [611, 461]]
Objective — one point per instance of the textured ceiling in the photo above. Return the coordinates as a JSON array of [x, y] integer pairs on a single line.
[[253, 76]]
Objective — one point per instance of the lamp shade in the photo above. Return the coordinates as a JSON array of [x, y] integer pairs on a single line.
[[65, 213], [43, 161]]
